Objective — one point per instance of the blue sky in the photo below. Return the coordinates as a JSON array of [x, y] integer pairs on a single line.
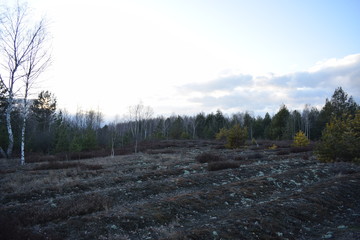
[[189, 56]]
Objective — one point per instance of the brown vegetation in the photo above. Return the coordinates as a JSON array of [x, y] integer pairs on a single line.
[[169, 193]]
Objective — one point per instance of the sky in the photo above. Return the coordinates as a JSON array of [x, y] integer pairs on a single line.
[[189, 56]]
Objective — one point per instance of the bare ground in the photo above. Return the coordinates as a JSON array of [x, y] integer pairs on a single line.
[[167, 193]]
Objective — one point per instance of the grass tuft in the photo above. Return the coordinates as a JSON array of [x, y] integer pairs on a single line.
[[215, 166], [301, 149], [283, 152], [66, 165], [208, 157], [255, 156]]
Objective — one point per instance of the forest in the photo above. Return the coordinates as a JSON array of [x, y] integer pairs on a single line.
[[51, 131]]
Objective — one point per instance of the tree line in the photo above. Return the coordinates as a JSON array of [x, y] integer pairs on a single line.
[[50, 131]]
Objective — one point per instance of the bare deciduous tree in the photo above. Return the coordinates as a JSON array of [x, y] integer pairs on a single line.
[[306, 120], [137, 115], [24, 56]]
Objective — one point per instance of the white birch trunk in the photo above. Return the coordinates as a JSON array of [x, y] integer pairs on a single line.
[[112, 147], [22, 159], [9, 127], [25, 113]]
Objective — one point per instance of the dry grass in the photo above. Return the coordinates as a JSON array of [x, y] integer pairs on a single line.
[[161, 195], [216, 166], [255, 156], [283, 152], [302, 149], [66, 165], [208, 157]]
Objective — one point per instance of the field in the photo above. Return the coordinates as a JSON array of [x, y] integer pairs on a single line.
[[183, 190]]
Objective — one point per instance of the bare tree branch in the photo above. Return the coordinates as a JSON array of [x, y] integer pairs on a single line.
[[24, 56]]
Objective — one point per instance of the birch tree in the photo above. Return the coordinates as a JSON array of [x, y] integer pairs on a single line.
[[23, 57], [306, 120], [137, 114]]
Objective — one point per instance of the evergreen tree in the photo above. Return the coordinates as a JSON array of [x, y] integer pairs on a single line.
[[340, 140], [3, 131], [248, 123], [258, 129], [342, 104], [209, 130], [235, 136], [2, 98], [177, 128], [43, 109], [279, 123], [315, 128], [220, 121], [88, 141], [300, 140], [339, 105], [62, 134], [42, 132], [266, 126], [200, 120], [159, 132]]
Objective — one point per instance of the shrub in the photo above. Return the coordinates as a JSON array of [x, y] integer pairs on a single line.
[[283, 152], [340, 140], [222, 134], [239, 158], [208, 157], [273, 147], [300, 140], [56, 165], [235, 136], [254, 142], [255, 156], [184, 135], [65, 165], [215, 166], [301, 149]]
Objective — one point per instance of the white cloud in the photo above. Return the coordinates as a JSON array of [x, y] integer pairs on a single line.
[[347, 61], [260, 93]]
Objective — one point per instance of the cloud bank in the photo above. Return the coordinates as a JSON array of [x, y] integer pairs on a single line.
[[261, 94]]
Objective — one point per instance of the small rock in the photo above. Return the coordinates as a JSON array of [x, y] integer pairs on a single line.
[[342, 227], [214, 233], [186, 172], [328, 235]]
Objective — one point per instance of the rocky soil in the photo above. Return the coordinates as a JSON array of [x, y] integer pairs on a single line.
[[183, 190]]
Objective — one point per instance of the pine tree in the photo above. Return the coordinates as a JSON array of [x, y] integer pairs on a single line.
[[340, 140], [300, 140], [235, 136]]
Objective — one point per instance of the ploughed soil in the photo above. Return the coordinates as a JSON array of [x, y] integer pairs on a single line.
[[183, 190]]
